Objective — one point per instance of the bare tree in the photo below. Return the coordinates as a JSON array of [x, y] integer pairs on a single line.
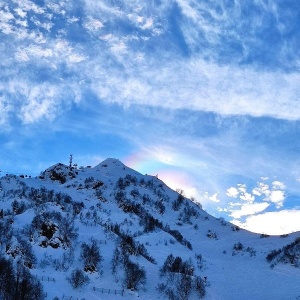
[[90, 254], [134, 275]]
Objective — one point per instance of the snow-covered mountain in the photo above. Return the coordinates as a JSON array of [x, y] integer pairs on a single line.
[[109, 232]]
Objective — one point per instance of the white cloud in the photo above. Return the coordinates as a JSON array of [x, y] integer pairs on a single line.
[[6, 28], [93, 24], [73, 20], [275, 223], [56, 8], [20, 12], [275, 194], [278, 185], [5, 110], [232, 192], [277, 197], [269, 194], [262, 188], [233, 204], [106, 37], [62, 46], [45, 25], [221, 209], [256, 192], [119, 47], [241, 192], [96, 7], [40, 104], [242, 188], [22, 23], [39, 52], [76, 58], [247, 197], [148, 24], [249, 209], [26, 6], [21, 55], [214, 198], [6, 16], [139, 19]]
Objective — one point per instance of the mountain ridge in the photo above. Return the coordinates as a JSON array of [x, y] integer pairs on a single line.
[[138, 234]]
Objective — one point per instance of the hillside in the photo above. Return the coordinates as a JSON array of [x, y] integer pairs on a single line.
[[109, 232]]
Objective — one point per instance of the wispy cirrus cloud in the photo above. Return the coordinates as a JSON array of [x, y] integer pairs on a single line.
[[202, 86], [134, 74], [34, 103], [5, 109]]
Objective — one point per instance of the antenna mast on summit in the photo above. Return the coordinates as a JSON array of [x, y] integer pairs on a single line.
[[71, 160]]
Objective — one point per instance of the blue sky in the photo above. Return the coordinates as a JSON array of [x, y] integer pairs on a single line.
[[203, 93]]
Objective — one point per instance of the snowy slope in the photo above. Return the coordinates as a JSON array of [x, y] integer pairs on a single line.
[[64, 209]]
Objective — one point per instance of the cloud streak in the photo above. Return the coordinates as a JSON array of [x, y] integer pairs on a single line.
[[249, 209], [128, 72], [32, 104]]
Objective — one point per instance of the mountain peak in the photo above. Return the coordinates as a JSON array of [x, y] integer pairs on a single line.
[[110, 162], [114, 166]]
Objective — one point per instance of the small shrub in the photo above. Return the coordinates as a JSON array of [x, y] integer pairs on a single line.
[[251, 251], [90, 254], [176, 204], [18, 207], [135, 193], [263, 235], [200, 286], [284, 235], [134, 275], [212, 235], [238, 246], [58, 176], [89, 180], [78, 279], [235, 228], [199, 260], [223, 222]]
